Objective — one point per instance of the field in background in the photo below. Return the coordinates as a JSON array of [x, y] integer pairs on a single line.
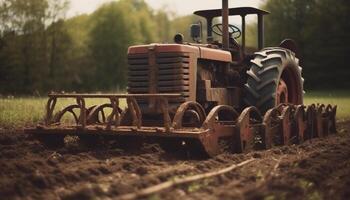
[[21, 112], [339, 98], [28, 111]]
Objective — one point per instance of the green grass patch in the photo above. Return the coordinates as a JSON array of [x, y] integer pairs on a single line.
[[339, 98], [28, 111]]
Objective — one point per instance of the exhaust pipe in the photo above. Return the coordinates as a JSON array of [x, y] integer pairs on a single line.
[[225, 33]]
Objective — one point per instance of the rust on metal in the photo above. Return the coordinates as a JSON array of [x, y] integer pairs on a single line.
[[153, 76], [247, 131], [50, 106]]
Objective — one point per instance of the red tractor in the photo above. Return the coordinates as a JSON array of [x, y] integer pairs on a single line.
[[202, 97]]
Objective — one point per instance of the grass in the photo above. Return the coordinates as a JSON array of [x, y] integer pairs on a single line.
[[339, 98], [28, 111]]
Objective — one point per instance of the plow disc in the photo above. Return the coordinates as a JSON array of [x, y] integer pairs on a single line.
[[189, 127]]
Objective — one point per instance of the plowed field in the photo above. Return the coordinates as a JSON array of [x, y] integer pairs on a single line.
[[316, 169]]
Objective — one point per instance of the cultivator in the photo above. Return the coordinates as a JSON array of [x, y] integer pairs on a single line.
[[282, 125]]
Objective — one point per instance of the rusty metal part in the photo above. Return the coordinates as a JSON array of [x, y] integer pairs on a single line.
[[98, 113], [300, 123], [311, 122], [69, 109], [331, 112], [185, 107], [50, 106], [282, 92], [282, 125], [225, 31], [250, 129], [219, 123], [272, 127]]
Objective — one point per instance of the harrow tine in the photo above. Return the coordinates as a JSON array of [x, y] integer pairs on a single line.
[[311, 126], [50, 106], [321, 121], [272, 126], [251, 130], [300, 123], [331, 112], [286, 120], [83, 113], [210, 140], [190, 105], [69, 109], [94, 112]]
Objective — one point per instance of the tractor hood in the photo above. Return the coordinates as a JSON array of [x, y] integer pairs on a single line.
[[200, 51]]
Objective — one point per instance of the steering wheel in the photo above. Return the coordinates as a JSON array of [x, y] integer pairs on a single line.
[[217, 29]]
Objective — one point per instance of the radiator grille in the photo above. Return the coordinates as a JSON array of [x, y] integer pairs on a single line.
[[172, 74]]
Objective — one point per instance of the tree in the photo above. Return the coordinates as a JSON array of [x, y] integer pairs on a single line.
[[113, 31], [29, 48], [320, 29]]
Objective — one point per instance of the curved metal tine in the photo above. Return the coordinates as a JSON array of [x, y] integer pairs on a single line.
[[251, 129], [135, 112], [177, 121], [76, 118], [287, 119], [113, 118], [103, 116], [70, 109], [82, 117], [299, 126], [93, 113], [214, 115], [91, 118], [210, 140], [322, 127], [132, 111], [311, 128], [331, 111], [50, 106], [166, 117], [273, 128]]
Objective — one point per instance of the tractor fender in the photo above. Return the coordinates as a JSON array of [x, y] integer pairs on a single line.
[[291, 45]]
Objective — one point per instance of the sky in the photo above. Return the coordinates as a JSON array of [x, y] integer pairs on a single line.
[[180, 7]]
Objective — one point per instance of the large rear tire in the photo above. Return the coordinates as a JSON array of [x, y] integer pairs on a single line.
[[273, 78]]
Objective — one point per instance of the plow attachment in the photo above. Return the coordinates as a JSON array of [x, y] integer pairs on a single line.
[[187, 125]]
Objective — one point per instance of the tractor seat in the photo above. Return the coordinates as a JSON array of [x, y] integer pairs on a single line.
[[235, 49]]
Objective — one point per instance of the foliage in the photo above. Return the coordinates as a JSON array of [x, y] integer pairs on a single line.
[[32, 44], [320, 29], [41, 50]]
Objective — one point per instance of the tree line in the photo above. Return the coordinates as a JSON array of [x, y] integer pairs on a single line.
[[41, 50], [322, 32]]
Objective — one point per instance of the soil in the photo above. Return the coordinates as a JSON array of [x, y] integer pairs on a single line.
[[316, 169]]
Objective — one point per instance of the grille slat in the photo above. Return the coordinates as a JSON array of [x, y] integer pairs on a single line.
[[138, 67], [173, 66]]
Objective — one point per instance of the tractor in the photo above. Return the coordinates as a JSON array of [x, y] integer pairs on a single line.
[[203, 97]]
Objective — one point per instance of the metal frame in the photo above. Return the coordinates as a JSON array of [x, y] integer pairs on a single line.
[[209, 15], [282, 125]]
